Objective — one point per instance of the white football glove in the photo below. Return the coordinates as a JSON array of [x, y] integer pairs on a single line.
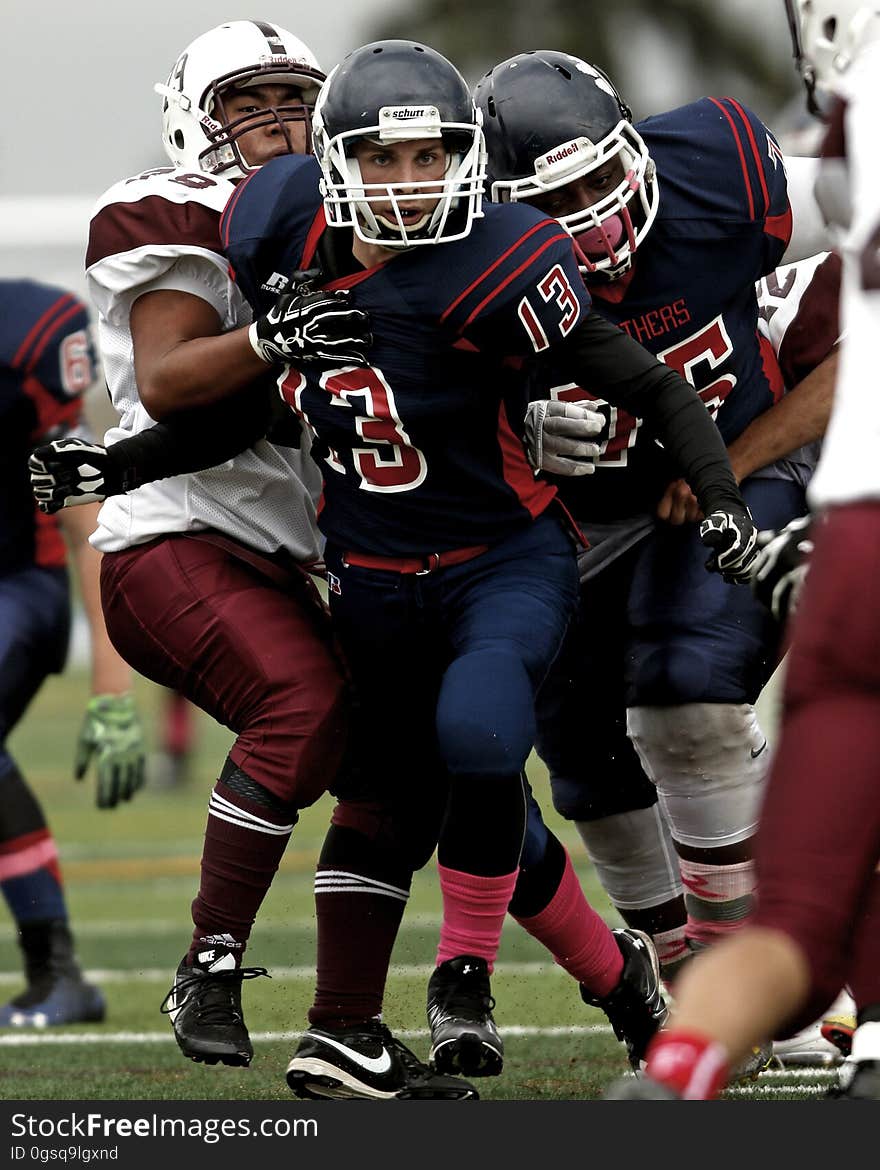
[[558, 434], [731, 535], [308, 326], [780, 566], [70, 471]]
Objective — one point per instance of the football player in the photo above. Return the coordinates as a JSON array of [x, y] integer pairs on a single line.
[[451, 576], [819, 838], [673, 221], [47, 363]]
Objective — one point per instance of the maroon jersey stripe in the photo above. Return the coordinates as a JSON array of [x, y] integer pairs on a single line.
[[121, 227], [815, 330]]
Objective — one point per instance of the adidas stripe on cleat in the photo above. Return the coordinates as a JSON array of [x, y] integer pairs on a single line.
[[204, 1006]]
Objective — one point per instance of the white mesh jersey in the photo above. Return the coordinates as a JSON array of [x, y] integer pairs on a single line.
[[849, 468], [160, 230]]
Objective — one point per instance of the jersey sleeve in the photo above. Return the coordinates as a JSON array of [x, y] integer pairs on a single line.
[[269, 226], [528, 293], [159, 230], [798, 312], [748, 150]]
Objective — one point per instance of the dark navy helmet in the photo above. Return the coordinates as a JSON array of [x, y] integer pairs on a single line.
[[389, 92], [550, 119]]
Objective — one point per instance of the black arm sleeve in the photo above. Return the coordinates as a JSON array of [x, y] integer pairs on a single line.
[[603, 358], [191, 440]]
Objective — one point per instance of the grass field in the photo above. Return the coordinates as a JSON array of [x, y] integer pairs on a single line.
[[130, 876]]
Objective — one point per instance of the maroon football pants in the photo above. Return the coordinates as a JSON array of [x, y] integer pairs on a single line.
[[251, 646], [819, 839]]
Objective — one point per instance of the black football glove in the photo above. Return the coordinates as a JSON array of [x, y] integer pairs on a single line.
[[312, 326], [71, 471], [780, 566], [731, 535]]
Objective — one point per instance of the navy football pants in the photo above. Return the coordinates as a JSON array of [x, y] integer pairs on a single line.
[[446, 666], [653, 629], [34, 633]]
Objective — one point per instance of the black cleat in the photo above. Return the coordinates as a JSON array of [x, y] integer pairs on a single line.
[[635, 1008], [367, 1064], [464, 1038], [204, 1006], [56, 992]]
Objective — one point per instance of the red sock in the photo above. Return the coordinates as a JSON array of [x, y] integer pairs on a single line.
[[473, 913], [577, 938], [690, 1064]]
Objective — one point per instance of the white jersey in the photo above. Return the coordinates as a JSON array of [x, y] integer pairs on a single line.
[[850, 468], [160, 230]]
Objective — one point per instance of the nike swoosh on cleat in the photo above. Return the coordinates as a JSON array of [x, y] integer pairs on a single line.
[[373, 1064], [762, 748]]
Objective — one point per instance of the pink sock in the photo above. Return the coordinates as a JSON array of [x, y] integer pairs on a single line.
[[691, 1064], [577, 938], [473, 913]]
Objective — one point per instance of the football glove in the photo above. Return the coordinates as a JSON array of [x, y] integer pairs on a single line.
[[731, 535], [557, 436], [310, 326], [111, 733], [780, 566], [71, 471]]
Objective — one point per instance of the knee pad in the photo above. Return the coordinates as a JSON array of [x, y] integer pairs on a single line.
[[634, 858], [708, 761], [486, 714]]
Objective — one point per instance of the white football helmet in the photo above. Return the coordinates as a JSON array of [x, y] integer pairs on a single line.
[[827, 35], [196, 132]]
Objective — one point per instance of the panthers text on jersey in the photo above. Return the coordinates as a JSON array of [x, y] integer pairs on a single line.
[[723, 222], [46, 364], [159, 230], [422, 450], [850, 197]]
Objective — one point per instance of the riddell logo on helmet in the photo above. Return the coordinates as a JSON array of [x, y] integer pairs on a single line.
[[562, 152]]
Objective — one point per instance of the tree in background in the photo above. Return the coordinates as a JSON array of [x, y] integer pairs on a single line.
[[710, 50]]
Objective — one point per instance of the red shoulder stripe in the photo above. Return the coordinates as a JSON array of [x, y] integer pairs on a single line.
[[513, 275], [40, 324], [741, 153], [537, 227], [52, 331], [759, 166]]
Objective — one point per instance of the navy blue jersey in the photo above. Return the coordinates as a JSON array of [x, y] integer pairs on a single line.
[[723, 222], [421, 451], [46, 363]]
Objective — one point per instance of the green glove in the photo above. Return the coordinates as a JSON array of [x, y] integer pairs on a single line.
[[112, 731]]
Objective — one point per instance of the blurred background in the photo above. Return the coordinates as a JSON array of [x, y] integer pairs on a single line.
[[82, 77]]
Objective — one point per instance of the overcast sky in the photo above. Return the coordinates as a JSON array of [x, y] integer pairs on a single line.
[[79, 78]]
